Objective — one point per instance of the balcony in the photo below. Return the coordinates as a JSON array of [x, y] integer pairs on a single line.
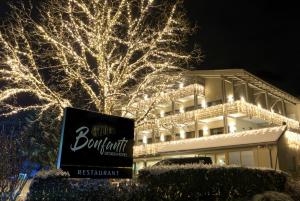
[[250, 137], [234, 109]]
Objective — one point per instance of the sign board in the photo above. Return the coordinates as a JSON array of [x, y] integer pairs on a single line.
[[95, 145]]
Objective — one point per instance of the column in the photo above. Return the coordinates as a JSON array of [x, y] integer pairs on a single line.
[[195, 100], [283, 108], [233, 91], [196, 129], [267, 101], [173, 107], [223, 90], [173, 133], [246, 91], [225, 121], [136, 137], [153, 135]]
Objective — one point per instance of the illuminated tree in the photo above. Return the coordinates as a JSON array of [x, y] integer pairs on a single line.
[[101, 55]]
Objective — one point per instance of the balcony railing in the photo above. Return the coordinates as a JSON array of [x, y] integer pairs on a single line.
[[175, 95], [240, 107], [256, 136]]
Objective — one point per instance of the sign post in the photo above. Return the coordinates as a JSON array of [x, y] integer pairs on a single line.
[[95, 145]]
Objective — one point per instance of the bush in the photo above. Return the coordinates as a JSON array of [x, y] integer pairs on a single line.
[[272, 196], [293, 189], [56, 185], [202, 182]]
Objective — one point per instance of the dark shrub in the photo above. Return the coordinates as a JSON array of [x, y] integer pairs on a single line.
[[56, 185], [201, 182], [293, 189]]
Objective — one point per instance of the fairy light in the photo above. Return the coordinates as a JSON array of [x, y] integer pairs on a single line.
[[97, 34]]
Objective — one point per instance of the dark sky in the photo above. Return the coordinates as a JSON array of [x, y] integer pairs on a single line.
[[262, 37]]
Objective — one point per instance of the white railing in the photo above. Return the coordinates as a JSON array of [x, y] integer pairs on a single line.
[[243, 107]]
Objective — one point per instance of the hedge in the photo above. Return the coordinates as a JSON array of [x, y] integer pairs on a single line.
[[56, 185], [166, 183], [203, 182]]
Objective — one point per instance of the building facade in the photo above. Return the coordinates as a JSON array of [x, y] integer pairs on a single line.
[[229, 115]]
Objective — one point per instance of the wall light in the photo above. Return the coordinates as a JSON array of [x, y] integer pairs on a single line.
[[230, 98], [162, 113], [182, 134], [205, 131], [181, 85], [232, 127], [162, 138], [203, 104], [181, 109], [145, 139]]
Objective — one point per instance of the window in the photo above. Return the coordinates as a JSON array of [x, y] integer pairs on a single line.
[[212, 156], [234, 158], [216, 131], [200, 133], [247, 158], [168, 138], [190, 134], [221, 159]]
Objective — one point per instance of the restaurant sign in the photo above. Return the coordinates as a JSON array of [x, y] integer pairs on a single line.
[[95, 145]]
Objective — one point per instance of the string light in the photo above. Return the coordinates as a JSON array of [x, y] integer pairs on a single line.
[[115, 81]]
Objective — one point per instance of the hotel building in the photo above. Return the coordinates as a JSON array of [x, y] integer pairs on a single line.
[[229, 115]]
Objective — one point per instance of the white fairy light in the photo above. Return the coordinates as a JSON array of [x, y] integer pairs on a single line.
[[115, 81]]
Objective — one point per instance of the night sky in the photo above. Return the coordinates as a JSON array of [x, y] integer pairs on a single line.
[[262, 37]]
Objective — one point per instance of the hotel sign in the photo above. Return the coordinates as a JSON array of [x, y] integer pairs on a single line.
[[95, 145]]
